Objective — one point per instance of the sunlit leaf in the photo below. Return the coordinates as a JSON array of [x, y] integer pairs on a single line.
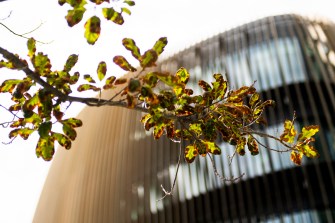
[[92, 29], [70, 62], [69, 131], [74, 16], [41, 64], [150, 79], [149, 58], [183, 75], [102, 69], [289, 132], [123, 63], [130, 3], [45, 148], [159, 45], [254, 99], [296, 157], [158, 130], [9, 85], [308, 150], [131, 101], [126, 10], [31, 43], [85, 87], [62, 140], [130, 45], [195, 128], [111, 14], [23, 132], [191, 153], [239, 94], [7, 64], [211, 147], [308, 132], [73, 122], [88, 78]]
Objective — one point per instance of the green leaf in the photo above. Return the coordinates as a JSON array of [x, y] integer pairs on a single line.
[[88, 78], [289, 132], [308, 132], [69, 131], [44, 105], [92, 29], [30, 104], [70, 62], [134, 85], [9, 64], [183, 75], [9, 85], [125, 10], [158, 130], [149, 58], [102, 69], [109, 83], [167, 79], [41, 64], [73, 122], [111, 14], [31, 43], [74, 16], [23, 132], [130, 45], [159, 45], [74, 78], [85, 87], [61, 139], [150, 79], [191, 153], [211, 147], [196, 128], [123, 63], [45, 148], [130, 3], [44, 129]]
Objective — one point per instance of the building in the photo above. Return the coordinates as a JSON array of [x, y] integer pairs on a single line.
[[114, 171]]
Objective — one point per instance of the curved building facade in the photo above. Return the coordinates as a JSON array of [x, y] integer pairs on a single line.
[[115, 170]]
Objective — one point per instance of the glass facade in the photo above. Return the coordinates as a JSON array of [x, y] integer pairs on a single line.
[[116, 175]]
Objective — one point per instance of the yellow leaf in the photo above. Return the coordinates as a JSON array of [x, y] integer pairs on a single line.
[[289, 132], [308, 132], [296, 157], [190, 153]]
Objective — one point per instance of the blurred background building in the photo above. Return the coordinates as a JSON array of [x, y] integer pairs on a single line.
[[114, 170]]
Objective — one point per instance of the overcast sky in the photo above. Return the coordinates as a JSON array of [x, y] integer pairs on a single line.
[[184, 22]]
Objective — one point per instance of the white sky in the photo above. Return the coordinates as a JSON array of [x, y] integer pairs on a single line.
[[184, 22]]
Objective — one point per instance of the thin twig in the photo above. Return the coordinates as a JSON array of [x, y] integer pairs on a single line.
[[170, 193], [224, 179], [10, 13], [22, 35]]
